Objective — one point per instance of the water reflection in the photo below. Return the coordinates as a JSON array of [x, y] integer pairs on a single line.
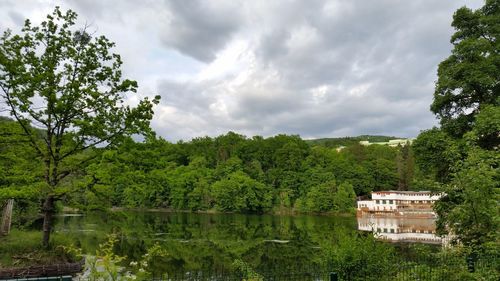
[[212, 242], [402, 229]]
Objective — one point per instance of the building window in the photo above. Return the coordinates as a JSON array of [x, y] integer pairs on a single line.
[[385, 230], [378, 230], [383, 201], [392, 230], [377, 201], [390, 201]]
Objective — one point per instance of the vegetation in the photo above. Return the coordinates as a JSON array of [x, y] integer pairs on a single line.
[[66, 83], [143, 244], [468, 78], [80, 134], [235, 173], [462, 155], [23, 248]]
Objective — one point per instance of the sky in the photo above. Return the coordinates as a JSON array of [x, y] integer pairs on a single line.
[[316, 68]]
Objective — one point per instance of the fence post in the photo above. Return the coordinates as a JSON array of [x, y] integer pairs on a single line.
[[471, 263], [6, 218], [334, 276]]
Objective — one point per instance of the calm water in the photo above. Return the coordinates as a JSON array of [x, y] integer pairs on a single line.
[[402, 229], [209, 242]]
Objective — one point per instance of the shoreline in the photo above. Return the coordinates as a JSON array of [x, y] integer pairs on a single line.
[[288, 212]]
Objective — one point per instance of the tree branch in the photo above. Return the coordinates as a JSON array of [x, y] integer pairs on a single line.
[[21, 122]]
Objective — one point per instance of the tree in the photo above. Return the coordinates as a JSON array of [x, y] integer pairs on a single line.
[[239, 192], [20, 174], [405, 164], [468, 78], [463, 152], [470, 208], [436, 153], [68, 84], [345, 198], [321, 197], [486, 128]]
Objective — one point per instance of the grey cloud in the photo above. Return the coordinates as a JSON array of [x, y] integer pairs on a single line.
[[17, 18], [189, 96], [198, 28], [318, 68]]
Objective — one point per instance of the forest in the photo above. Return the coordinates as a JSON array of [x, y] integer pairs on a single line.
[[228, 173]]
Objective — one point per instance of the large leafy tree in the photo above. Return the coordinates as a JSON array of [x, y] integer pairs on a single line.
[[470, 208], [67, 83], [468, 79], [463, 153]]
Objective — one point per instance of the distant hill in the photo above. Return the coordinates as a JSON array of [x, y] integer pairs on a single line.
[[346, 141], [5, 119]]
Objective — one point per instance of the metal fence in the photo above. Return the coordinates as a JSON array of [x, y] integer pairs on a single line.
[[442, 269]]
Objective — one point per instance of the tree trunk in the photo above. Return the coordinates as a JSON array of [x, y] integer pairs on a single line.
[[48, 212]]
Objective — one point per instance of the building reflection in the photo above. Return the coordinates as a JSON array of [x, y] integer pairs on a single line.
[[402, 229]]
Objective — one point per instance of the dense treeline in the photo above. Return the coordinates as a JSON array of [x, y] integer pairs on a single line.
[[227, 173], [235, 173]]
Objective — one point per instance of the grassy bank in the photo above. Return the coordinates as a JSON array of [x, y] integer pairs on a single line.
[[24, 248]]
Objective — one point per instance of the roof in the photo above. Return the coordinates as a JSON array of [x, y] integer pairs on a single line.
[[402, 192]]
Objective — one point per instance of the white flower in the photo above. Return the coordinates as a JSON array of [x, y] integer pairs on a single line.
[[133, 263], [141, 270]]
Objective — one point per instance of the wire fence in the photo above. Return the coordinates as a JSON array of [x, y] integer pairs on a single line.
[[444, 268]]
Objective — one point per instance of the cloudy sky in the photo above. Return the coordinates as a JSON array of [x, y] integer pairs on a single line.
[[260, 67]]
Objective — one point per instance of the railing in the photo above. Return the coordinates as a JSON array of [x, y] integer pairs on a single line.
[[443, 268], [486, 268]]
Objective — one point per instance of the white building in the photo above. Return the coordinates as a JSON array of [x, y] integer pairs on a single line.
[[399, 202]]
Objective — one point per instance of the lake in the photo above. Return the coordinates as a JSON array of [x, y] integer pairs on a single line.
[[212, 242]]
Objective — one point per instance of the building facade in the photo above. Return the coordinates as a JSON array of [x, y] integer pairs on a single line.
[[400, 202]]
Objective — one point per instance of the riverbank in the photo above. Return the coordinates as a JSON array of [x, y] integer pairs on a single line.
[[280, 212], [24, 248]]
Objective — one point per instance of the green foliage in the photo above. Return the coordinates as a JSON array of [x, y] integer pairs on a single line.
[[360, 257], [470, 208], [345, 198], [247, 272], [436, 153], [79, 91], [463, 153], [238, 192], [22, 248], [105, 265], [263, 174], [329, 196], [405, 162], [468, 78], [321, 197], [485, 132]]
